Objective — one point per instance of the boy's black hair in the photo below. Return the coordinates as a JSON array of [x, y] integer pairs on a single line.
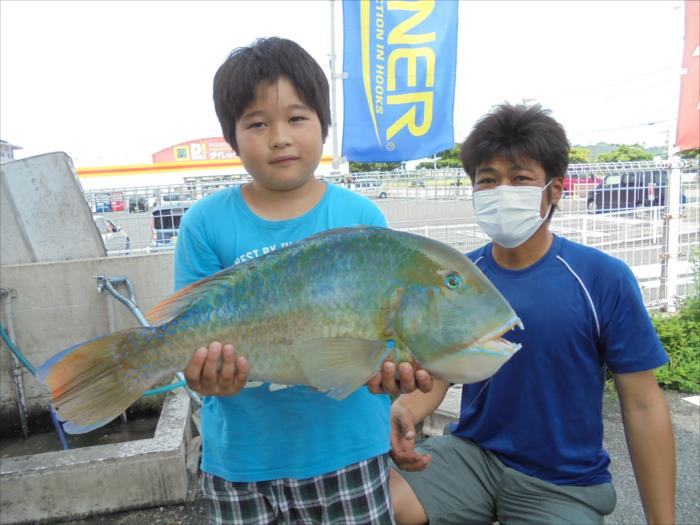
[[265, 61], [517, 132]]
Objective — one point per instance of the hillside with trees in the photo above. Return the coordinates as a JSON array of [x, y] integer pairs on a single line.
[[601, 152]]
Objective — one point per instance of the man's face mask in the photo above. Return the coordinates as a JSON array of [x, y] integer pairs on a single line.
[[510, 215]]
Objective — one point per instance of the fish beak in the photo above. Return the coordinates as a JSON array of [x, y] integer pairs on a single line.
[[479, 360], [498, 347], [498, 332], [473, 363]]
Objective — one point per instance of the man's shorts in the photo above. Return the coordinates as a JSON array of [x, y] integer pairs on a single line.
[[355, 495], [465, 484]]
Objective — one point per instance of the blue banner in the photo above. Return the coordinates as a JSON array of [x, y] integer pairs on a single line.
[[400, 58]]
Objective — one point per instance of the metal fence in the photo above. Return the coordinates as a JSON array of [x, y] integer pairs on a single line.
[[645, 213]]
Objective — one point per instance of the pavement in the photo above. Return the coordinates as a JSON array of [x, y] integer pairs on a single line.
[[686, 427], [686, 422]]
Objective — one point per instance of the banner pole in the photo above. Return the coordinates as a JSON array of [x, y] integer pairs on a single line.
[[334, 77]]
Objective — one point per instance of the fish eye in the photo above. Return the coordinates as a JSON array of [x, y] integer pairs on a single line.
[[453, 281]]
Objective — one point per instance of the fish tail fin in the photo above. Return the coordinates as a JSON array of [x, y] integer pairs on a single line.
[[93, 382]]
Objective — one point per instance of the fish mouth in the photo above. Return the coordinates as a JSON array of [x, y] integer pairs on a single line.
[[498, 347], [498, 332], [494, 343]]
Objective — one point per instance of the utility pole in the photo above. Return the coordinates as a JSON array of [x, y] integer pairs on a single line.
[[337, 159]]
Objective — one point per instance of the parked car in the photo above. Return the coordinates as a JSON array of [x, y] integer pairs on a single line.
[[176, 199], [580, 183], [165, 223], [114, 237], [628, 190], [138, 203], [371, 188]]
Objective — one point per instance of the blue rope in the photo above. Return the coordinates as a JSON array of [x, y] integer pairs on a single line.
[[165, 388], [13, 348], [54, 419], [11, 345]]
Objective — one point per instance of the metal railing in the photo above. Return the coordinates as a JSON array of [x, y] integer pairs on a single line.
[[653, 227]]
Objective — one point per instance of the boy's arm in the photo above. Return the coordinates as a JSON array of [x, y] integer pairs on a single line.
[[650, 442], [212, 371]]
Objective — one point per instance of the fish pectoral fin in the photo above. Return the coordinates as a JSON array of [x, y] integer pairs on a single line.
[[339, 366]]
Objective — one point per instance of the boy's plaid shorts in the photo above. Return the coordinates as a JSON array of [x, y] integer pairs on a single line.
[[354, 495]]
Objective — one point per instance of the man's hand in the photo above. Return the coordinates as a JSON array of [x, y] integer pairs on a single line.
[[409, 379], [403, 440], [215, 371]]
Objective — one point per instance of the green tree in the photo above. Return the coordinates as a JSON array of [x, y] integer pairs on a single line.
[[624, 152], [690, 154], [680, 335], [579, 155], [363, 167], [448, 158]]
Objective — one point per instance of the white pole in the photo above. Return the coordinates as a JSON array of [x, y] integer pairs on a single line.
[[334, 77], [673, 200]]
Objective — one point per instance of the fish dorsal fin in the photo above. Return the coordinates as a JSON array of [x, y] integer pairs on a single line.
[[177, 303], [339, 366]]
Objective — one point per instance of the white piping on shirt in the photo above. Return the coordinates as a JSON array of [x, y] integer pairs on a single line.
[[588, 295], [585, 290]]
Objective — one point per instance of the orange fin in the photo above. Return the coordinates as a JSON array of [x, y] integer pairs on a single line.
[[171, 307], [174, 305], [91, 383]]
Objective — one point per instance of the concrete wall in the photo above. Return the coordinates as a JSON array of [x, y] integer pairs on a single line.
[[44, 215], [56, 305], [87, 481]]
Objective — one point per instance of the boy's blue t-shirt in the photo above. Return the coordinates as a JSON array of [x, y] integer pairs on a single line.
[[541, 413], [295, 432]]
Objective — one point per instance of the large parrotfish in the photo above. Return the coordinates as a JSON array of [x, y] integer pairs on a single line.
[[324, 312]]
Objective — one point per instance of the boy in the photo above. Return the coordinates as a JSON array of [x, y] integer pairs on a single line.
[[292, 455], [528, 444]]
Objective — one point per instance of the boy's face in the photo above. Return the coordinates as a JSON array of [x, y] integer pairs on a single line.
[[279, 137], [499, 171]]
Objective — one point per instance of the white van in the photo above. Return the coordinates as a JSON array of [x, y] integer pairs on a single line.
[[371, 188]]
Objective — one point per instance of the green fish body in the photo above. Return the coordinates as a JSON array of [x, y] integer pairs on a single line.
[[323, 312]]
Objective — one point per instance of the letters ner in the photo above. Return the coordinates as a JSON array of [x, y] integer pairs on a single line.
[[399, 36]]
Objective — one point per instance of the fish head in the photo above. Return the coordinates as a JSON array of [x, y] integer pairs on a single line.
[[450, 316]]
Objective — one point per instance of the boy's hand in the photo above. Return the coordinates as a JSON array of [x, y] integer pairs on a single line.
[[386, 382], [215, 371], [403, 440]]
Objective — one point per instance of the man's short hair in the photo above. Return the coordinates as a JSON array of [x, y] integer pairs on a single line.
[[264, 62], [516, 133]]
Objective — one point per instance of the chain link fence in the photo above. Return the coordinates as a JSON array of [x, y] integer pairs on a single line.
[[645, 213]]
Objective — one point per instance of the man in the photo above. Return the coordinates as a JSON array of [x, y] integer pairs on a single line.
[[528, 445]]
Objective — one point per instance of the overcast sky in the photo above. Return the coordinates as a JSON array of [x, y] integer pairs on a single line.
[[114, 82]]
